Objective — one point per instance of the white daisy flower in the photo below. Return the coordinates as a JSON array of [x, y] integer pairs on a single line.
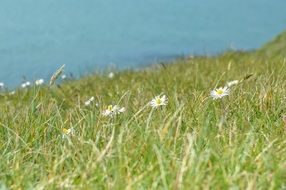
[[111, 75], [89, 101], [39, 82], [64, 77], [12, 93], [67, 132], [159, 101], [219, 93], [232, 83], [113, 110], [2, 85], [108, 111], [26, 84], [118, 110]]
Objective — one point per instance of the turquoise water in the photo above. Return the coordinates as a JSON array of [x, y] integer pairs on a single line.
[[37, 36]]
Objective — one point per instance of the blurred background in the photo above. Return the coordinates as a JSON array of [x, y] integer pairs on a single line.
[[38, 36]]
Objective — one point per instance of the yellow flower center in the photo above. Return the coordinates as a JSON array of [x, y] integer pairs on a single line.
[[65, 130], [109, 108], [158, 101], [219, 92]]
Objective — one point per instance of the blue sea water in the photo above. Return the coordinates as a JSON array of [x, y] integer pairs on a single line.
[[38, 36]]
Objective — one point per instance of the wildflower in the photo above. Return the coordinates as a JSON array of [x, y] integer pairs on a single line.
[[232, 83], [111, 75], [2, 85], [219, 93], [67, 132], [64, 77], [159, 101], [113, 110], [26, 84], [39, 82], [89, 101], [12, 93]]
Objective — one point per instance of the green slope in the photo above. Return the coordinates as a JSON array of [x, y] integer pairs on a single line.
[[275, 48], [194, 142]]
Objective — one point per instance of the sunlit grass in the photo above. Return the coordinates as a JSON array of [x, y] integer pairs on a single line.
[[52, 138]]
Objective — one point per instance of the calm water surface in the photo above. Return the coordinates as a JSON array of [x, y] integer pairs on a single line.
[[37, 36]]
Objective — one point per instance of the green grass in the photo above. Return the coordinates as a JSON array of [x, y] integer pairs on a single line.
[[194, 142], [275, 48]]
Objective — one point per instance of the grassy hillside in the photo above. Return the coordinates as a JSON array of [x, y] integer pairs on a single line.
[[194, 142], [275, 48]]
